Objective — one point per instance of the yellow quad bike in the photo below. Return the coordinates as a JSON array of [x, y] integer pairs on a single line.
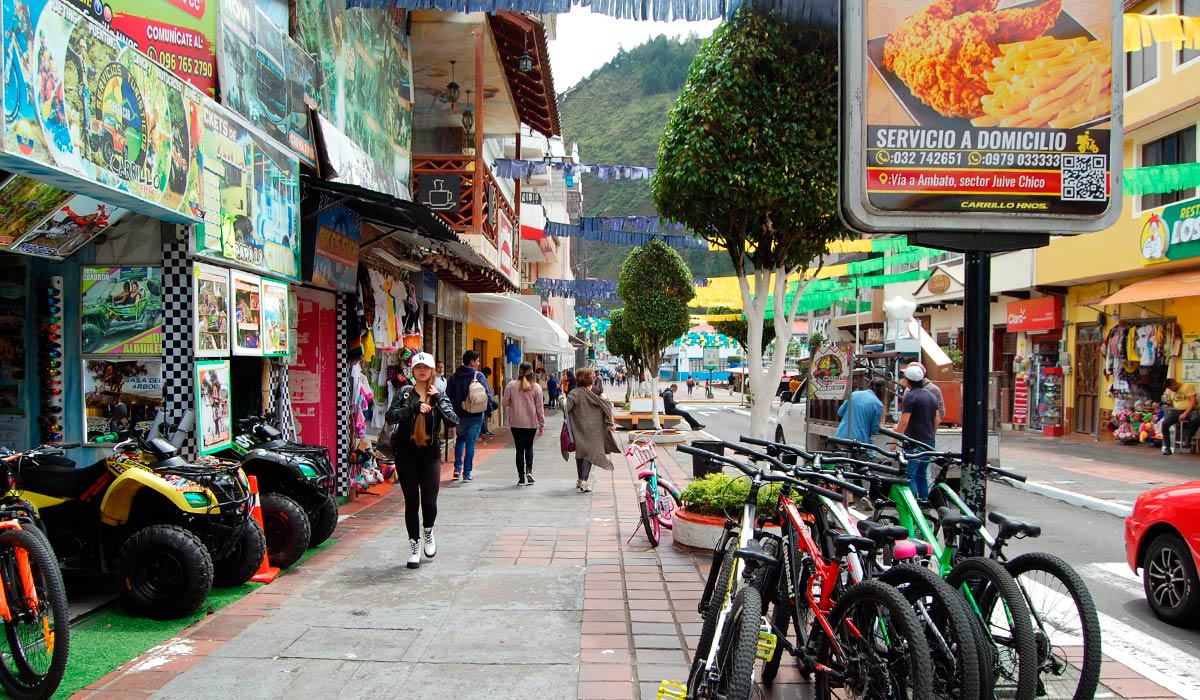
[[166, 529]]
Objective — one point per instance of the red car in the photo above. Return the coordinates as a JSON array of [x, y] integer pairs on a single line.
[[1162, 538]]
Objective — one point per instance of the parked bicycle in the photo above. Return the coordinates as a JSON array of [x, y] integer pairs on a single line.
[[33, 600], [658, 499]]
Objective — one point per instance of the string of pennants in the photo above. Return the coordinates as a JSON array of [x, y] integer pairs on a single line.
[[591, 324], [518, 169], [615, 236], [1142, 31], [595, 290], [656, 10], [1157, 179], [594, 311]]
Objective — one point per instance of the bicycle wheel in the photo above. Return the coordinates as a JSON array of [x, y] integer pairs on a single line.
[[739, 647], [717, 601], [879, 650], [946, 621], [39, 638], [992, 594], [649, 521], [1065, 622]]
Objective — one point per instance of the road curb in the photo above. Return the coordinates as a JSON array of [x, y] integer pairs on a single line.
[[1075, 499]]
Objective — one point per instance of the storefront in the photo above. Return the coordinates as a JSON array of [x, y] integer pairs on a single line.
[[1036, 326]]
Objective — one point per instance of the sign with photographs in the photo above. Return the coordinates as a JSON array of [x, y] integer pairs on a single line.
[[211, 301], [275, 318], [830, 370], [83, 107], [214, 423], [121, 311], [251, 198], [1019, 123], [43, 220], [137, 383], [247, 314]]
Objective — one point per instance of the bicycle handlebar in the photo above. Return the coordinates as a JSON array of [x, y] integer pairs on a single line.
[[777, 445], [872, 447], [766, 476], [1005, 473], [873, 466], [905, 439]]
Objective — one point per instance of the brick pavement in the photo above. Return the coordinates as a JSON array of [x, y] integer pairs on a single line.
[[633, 606]]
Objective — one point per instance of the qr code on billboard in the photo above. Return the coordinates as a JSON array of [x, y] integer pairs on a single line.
[[1084, 177]]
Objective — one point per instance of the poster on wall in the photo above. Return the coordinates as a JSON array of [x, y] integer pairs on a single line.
[[85, 107], [214, 424], [70, 228], [211, 301], [137, 383], [251, 196], [830, 372], [364, 79], [247, 314], [335, 258], [1190, 358], [504, 230], [275, 318], [180, 34], [121, 310]]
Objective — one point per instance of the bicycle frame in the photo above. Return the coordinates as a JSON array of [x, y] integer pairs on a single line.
[[649, 473], [26, 573]]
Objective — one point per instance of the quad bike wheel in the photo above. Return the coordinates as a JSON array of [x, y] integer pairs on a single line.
[[90, 336], [287, 528], [243, 560], [165, 572], [324, 520]]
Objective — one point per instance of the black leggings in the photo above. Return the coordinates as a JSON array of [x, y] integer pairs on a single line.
[[419, 480], [523, 439]]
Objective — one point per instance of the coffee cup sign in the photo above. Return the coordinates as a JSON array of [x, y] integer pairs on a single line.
[[440, 192]]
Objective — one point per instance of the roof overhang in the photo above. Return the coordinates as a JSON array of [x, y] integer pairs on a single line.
[[1172, 285], [533, 92]]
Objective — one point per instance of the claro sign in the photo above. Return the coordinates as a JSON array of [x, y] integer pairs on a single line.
[[1044, 314]]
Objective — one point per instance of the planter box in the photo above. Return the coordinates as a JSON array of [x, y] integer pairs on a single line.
[[698, 531]]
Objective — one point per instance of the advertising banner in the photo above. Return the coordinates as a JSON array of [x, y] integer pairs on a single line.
[[1169, 234], [180, 34], [247, 314], [1190, 367], [43, 220], [121, 310], [275, 318], [1041, 314], [830, 372], [335, 260], [136, 383], [1015, 118], [504, 232], [214, 423], [211, 301], [364, 78], [251, 197], [90, 113], [312, 378]]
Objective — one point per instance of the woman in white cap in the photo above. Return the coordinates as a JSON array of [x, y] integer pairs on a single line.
[[419, 411]]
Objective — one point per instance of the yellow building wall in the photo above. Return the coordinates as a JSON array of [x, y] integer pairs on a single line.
[[494, 351]]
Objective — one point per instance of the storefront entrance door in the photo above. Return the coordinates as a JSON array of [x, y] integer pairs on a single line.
[[312, 379], [1087, 378]]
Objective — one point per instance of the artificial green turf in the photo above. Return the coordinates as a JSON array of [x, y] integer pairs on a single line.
[[102, 643]]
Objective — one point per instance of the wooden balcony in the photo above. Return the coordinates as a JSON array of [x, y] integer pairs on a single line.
[[466, 219]]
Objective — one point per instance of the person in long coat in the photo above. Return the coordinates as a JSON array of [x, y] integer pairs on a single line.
[[590, 421]]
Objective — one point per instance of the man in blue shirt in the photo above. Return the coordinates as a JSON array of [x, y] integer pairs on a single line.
[[862, 412], [918, 420]]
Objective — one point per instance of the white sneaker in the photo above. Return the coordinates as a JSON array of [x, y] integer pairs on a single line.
[[430, 545], [414, 559]]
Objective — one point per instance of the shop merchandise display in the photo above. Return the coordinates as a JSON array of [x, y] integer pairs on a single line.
[[1140, 424], [1136, 357], [50, 358]]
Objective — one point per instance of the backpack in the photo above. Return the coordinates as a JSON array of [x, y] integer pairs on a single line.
[[476, 400]]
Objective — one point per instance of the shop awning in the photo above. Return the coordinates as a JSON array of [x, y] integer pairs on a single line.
[[1169, 286], [515, 318]]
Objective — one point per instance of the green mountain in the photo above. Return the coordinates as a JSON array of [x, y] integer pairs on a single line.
[[617, 116]]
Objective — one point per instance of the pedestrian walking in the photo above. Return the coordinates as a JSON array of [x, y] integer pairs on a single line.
[[526, 419], [590, 424], [470, 396], [552, 390], [918, 420], [419, 410], [672, 409], [691, 384], [439, 378]]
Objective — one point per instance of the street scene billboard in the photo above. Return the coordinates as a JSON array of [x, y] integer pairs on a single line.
[[80, 102], [1019, 120], [121, 310]]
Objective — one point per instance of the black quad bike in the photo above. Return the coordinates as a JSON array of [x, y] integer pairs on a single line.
[[296, 481], [166, 529]]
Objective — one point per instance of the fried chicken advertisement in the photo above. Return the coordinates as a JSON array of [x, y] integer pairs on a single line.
[[966, 59]]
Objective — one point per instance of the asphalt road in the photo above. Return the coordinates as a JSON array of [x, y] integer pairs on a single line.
[[1093, 543]]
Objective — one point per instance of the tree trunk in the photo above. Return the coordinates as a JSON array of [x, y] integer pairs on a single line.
[[656, 362], [761, 390]]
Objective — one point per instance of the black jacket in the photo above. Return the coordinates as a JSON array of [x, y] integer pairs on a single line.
[[406, 406], [668, 398]]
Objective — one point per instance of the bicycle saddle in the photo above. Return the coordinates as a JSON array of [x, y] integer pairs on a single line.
[[754, 552], [843, 543], [881, 534], [1010, 527], [58, 477], [950, 519]]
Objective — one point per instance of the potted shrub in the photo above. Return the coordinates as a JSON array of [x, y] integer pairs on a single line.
[[709, 500]]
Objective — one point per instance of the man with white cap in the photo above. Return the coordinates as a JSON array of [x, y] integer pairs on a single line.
[[918, 420]]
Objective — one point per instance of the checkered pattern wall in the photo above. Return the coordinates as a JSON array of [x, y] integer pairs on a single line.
[[178, 363], [280, 401], [345, 307]]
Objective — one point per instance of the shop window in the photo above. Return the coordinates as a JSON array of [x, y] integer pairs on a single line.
[[1141, 66], [1189, 8], [1173, 149]]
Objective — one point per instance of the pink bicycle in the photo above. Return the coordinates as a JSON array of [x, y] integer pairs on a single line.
[[657, 498]]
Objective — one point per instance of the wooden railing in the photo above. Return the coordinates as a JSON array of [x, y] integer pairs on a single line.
[[466, 219]]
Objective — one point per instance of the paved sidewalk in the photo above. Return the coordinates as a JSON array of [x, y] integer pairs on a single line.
[[536, 592]]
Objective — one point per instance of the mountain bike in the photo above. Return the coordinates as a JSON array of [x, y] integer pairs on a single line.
[[657, 498], [943, 616], [33, 600], [867, 636]]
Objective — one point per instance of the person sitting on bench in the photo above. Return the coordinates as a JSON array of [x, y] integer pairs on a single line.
[[668, 397]]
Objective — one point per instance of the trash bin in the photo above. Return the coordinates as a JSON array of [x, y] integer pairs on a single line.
[[702, 465]]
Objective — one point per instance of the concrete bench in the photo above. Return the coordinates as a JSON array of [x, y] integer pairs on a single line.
[[630, 420]]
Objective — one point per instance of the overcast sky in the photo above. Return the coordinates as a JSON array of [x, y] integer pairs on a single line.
[[587, 41]]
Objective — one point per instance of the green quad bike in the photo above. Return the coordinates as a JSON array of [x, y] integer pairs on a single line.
[[110, 309], [165, 529]]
